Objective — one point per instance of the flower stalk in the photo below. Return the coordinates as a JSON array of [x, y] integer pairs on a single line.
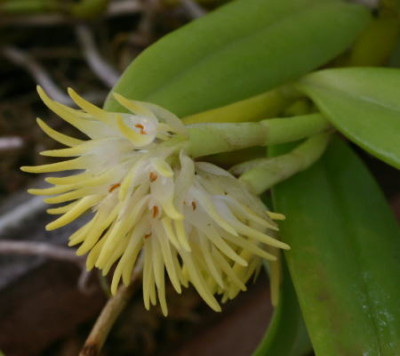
[[211, 138], [109, 315], [262, 174]]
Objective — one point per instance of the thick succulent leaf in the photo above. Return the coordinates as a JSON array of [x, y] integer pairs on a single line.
[[242, 49], [286, 334], [364, 104], [345, 256]]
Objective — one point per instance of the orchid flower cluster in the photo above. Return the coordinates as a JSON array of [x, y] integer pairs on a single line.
[[153, 208]]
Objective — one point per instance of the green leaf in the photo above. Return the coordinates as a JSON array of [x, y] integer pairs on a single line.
[[345, 256], [240, 50], [287, 334], [364, 104]]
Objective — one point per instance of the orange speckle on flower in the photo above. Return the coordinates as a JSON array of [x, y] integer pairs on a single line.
[[194, 205], [141, 129], [153, 177], [155, 211], [113, 187]]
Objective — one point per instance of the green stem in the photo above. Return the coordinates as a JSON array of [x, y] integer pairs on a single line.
[[109, 315], [262, 174], [295, 128], [207, 139], [212, 138]]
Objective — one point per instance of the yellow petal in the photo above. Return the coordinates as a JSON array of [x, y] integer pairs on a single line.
[[71, 116], [87, 106], [269, 240], [92, 256], [62, 209], [131, 260], [162, 167], [158, 270], [50, 190], [169, 208], [124, 269], [232, 276], [73, 179], [57, 136], [133, 106], [209, 208], [148, 278], [215, 272], [226, 249], [76, 194], [85, 123], [72, 164], [117, 233], [114, 257], [251, 215], [127, 181], [64, 152], [181, 234], [276, 216], [91, 238], [167, 225], [249, 245], [169, 263], [83, 205], [198, 282], [79, 235]]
